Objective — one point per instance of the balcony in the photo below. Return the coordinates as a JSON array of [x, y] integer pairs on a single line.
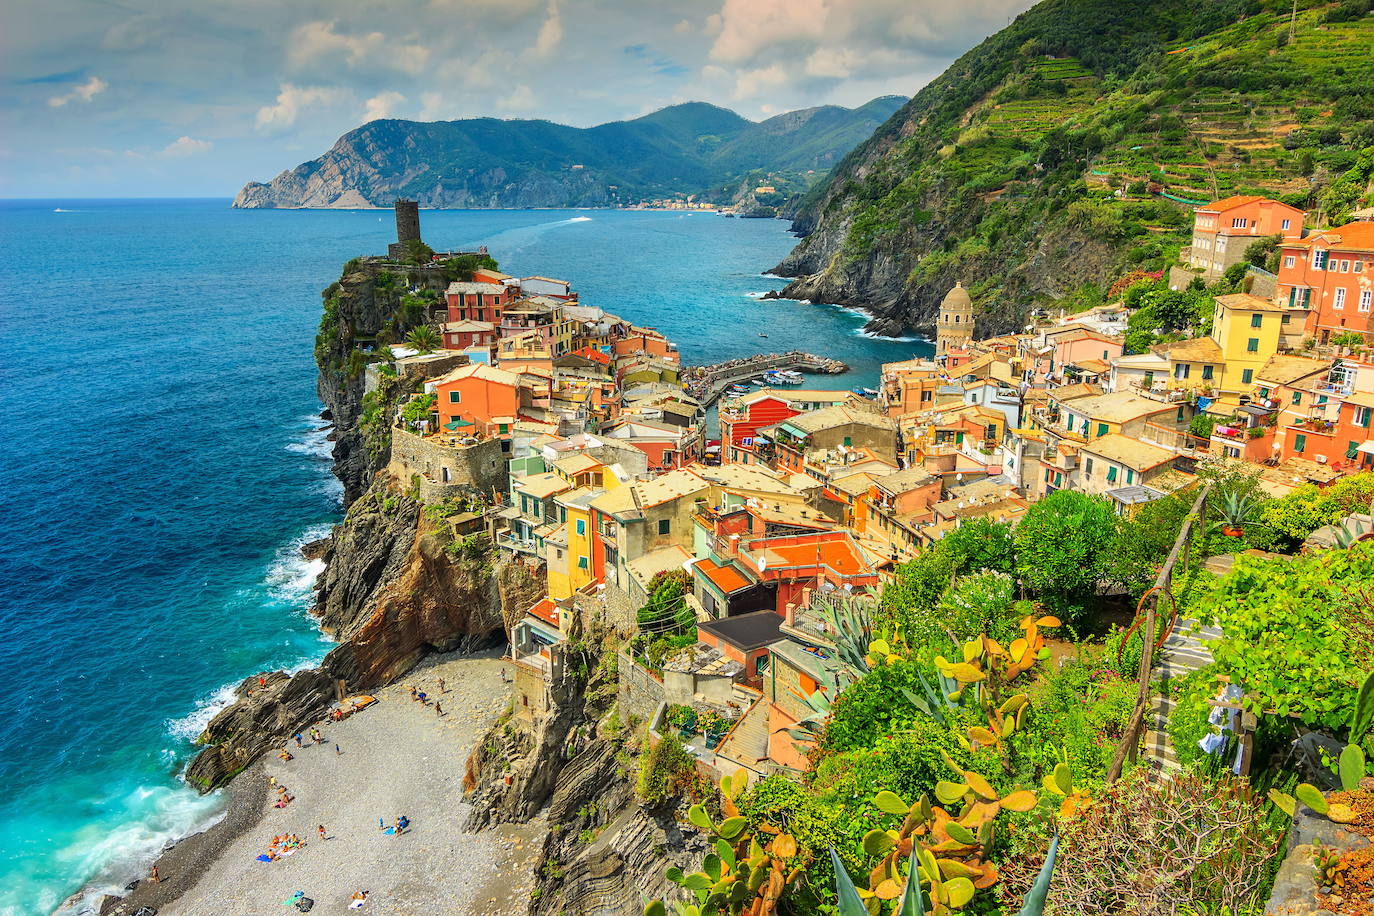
[[508, 541]]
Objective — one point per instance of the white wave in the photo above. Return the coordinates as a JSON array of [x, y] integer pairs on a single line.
[[155, 818], [189, 726], [774, 277], [290, 576], [64, 210], [313, 441], [580, 219], [863, 332]]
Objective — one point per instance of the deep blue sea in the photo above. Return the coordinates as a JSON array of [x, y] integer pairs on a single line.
[[161, 463]]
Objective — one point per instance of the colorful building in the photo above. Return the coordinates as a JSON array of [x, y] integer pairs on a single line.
[[1223, 229], [1331, 273]]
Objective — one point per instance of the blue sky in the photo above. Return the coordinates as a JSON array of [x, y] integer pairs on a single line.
[[164, 98]]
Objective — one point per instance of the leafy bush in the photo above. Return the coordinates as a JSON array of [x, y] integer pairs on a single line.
[[908, 763], [1063, 544], [1283, 637], [1296, 515], [1124, 662], [981, 603], [980, 544], [874, 706], [666, 770], [1188, 721]]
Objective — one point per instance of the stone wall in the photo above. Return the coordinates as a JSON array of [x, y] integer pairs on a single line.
[[446, 471], [640, 692]]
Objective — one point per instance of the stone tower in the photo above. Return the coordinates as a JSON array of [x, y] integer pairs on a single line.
[[954, 327], [407, 227], [407, 221]]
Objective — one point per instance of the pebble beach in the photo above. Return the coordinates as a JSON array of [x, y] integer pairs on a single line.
[[397, 758]]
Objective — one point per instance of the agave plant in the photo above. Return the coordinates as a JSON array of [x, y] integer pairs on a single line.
[[1237, 511]]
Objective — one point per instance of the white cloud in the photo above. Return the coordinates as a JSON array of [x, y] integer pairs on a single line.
[[83, 93], [522, 99], [186, 146], [747, 26], [752, 82], [290, 102], [315, 43], [382, 105], [684, 27], [550, 33], [836, 63]]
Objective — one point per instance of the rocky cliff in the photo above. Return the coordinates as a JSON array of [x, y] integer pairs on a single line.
[[1062, 152], [392, 590], [575, 766], [691, 148]]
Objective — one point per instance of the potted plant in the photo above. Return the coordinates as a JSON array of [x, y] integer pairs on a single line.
[[1237, 511]]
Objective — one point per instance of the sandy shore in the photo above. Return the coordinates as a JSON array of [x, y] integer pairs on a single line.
[[396, 758]]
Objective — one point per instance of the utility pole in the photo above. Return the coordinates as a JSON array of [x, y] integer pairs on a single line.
[[1293, 22]]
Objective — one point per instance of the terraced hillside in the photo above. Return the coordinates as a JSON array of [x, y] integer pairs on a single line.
[[1065, 150]]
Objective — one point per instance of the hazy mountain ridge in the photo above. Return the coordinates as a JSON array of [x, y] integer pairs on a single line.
[[486, 162]]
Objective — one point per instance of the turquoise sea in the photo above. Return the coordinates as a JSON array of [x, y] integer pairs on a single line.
[[162, 462]]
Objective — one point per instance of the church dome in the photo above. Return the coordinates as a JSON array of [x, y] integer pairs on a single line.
[[957, 298]]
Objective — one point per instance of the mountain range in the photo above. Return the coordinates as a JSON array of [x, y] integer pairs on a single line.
[[693, 148]]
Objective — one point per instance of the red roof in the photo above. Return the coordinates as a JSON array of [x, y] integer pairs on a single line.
[[726, 578], [1356, 236], [593, 354], [546, 611], [1227, 203]]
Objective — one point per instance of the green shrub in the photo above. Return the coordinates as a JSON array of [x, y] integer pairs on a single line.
[[874, 706], [666, 770], [981, 603], [1188, 721], [908, 762]]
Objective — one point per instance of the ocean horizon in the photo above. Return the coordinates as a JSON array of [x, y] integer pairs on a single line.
[[167, 461]]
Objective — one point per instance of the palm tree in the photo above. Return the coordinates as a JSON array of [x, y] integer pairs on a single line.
[[424, 338]]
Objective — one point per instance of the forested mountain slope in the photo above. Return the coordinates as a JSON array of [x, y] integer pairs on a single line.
[[1039, 162]]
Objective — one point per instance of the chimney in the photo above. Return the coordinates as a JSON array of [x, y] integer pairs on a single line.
[[789, 614]]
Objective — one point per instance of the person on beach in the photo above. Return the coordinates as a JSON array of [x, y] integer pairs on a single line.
[[413, 694], [153, 876], [402, 823], [424, 699], [438, 707], [285, 755], [320, 829], [298, 740], [356, 901], [337, 752], [442, 688]]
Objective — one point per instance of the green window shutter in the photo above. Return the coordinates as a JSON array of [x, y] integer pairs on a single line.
[[1207, 372], [1102, 429], [1252, 345], [1111, 474], [1353, 450], [1130, 476], [959, 438], [581, 526], [455, 397], [1256, 320], [1299, 443], [1246, 376], [1297, 397], [848, 440]]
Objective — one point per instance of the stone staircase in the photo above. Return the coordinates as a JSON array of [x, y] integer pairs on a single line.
[[1184, 652]]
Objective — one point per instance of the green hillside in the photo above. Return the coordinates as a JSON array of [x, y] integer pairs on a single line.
[[1062, 151]]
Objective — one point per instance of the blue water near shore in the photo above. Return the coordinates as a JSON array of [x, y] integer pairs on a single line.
[[162, 463]]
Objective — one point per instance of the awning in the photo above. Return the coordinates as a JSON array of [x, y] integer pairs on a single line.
[[1366, 447], [1255, 410], [459, 424]]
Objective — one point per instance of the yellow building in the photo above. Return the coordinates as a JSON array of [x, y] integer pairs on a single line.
[[1245, 333], [570, 564]]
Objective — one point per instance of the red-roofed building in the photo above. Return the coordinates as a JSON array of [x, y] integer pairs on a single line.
[[1332, 274], [1223, 229]]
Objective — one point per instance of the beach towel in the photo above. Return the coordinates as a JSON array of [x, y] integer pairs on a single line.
[[264, 857], [293, 899], [389, 831], [356, 904]]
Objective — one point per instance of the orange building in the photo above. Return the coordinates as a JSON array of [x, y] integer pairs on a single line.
[[477, 397], [1332, 274], [1223, 229]]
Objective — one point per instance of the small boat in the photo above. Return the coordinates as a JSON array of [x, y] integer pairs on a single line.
[[763, 335], [871, 392]]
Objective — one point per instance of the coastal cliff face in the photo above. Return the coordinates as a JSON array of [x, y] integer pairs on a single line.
[[392, 589], [575, 767]]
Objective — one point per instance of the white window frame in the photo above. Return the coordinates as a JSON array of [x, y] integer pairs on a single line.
[[1365, 299], [1338, 298], [1319, 260], [1287, 223], [1345, 266], [1289, 260], [1238, 222]]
